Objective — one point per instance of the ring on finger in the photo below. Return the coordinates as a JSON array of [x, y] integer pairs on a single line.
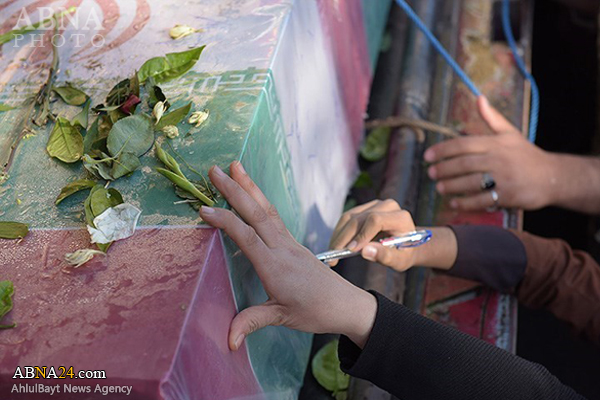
[[487, 181], [496, 200]]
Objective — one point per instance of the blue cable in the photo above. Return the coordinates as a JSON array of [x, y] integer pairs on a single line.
[[438, 46], [535, 94], [535, 99]]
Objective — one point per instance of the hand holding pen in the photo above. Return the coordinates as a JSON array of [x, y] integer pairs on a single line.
[[359, 227]]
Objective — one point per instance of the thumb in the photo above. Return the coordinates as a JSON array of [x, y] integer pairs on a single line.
[[492, 117], [252, 319], [397, 259]]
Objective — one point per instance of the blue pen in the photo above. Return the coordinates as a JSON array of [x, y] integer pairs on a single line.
[[412, 239]]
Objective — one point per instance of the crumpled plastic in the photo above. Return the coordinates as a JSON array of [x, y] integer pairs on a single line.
[[115, 223]]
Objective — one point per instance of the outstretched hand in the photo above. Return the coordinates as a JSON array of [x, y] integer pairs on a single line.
[[522, 171], [303, 293]]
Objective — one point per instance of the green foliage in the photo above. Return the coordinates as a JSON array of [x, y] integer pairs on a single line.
[[376, 145], [6, 304], [174, 117], [70, 95], [74, 187], [326, 370], [65, 142], [133, 134], [173, 65], [13, 230]]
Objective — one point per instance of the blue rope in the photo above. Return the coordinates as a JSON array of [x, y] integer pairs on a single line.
[[438, 46], [535, 99], [535, 94]]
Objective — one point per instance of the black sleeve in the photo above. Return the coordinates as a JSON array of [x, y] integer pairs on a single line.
[[413, 357], [491, 255]]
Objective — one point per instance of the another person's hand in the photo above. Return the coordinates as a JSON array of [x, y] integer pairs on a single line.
[[523, 173], [358, 227], [304, 293]]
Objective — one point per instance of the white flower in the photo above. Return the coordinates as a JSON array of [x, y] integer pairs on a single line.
[[198, 117], [179, 31], [80, 257], [115, 223], [159, 110], [171, 131]]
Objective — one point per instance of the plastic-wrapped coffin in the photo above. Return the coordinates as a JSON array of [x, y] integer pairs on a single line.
[[286, 84]]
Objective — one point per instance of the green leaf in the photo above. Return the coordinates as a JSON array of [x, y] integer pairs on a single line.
[[174, 117], [6, 107], [125, 164], [65, 142], [81, 119], [173, 65], [6, 303], [363, 180], [98, 168], [133, 134], [74, 187], [376, 144], [186, 185], [71, 95], [13, 230], [102, 199], [326, 369], [87, 205]]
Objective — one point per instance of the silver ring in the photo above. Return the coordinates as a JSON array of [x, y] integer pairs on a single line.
[[487, 182], [496, 199]]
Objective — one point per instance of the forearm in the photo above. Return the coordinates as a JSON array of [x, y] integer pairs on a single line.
[[575, 183], [414, 357]]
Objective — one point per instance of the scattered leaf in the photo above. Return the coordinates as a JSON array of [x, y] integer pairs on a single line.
[[173, 65], [326, 369], [74, 187], [13, 230], [376, 144], [174, 117], [6, 107], [80, 257], [133, 134], [115, 223], [6, 303], [81, 119], [70, 95], [363, 180], [125, 164], [103, 199], [155, 94], [65, 142], [99, 168], [186, 185]]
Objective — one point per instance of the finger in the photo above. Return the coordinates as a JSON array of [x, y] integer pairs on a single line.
[[458, 166], [375, 223], [380, 205], [344, 236], [245, 206], [463, 184], [252, 319], [388, 256], [458, 147], [238, 173], [493, 118], [242, 234], [481, 201]]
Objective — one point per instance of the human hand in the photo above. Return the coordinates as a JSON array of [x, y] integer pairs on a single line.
[[358, 227], [303, 293], [523, 172]]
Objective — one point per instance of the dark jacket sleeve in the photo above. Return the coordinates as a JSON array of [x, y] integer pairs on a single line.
[[413, 357], [543, 273]]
